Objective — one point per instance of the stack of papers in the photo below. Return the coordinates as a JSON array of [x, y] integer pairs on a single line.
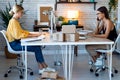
[[84, 32], [39, 38]]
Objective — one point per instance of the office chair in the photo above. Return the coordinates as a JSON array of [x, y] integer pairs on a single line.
[[117, 50], [20, 57], [102, 66]]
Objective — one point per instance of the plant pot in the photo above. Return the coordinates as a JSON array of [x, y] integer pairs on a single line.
[[9, 55], [92, 0], [60, 22]]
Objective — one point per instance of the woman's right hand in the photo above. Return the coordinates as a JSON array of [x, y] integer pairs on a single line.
[[34, 34]]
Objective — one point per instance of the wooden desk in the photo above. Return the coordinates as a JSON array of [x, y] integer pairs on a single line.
[[36, 27]]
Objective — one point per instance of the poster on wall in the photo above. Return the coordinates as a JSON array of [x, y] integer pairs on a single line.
[[43, 17]]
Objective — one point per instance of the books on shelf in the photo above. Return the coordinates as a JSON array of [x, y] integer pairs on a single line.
[[73, 0]]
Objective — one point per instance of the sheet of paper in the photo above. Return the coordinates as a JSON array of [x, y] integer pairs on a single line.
[[33, 38], [84, 32]]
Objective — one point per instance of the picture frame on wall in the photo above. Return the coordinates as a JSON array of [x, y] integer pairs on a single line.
[[63, 0]]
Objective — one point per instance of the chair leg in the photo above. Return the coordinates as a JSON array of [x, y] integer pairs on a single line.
[[102, 67], [10, 69], [20, 67]]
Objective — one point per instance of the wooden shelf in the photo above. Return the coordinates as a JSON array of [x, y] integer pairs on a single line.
[[77, 3]]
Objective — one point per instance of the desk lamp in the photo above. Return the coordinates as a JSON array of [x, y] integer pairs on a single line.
[[72, 17]]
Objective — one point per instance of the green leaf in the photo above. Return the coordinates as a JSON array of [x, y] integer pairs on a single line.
[[112, 5], [5, 16]]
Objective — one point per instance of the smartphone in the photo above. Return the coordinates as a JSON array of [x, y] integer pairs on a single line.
[[98, 19]]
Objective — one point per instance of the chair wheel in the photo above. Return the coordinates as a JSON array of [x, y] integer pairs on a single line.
[[105, 58], [90, 62], [5, 75], [31, 73], [112, 75], [9, 71], [116, 71], [21, 77], [96, 74], [91, 70], [103, 69], [58, 63], [23, 70]]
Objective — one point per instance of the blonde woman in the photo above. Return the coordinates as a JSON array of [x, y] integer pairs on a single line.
[[14, 33]]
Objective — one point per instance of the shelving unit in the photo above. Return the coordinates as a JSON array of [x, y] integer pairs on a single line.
[[76, 3]]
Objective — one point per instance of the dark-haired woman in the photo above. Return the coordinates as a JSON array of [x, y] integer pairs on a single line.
[[105, 29]]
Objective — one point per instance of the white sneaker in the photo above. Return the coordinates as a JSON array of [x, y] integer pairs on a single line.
[[98, 62], [50, 69], [41, 71], [101, 57]]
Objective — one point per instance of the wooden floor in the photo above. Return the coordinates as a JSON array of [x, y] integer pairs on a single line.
[[80, 69]]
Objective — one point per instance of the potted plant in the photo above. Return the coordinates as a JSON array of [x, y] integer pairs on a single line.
[[60, 20], [4, 14], [92, 0], [112, 7]]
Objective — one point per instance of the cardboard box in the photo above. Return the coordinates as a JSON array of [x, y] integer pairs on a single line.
[[58, 78], [72, 37], [59, 36], [49, 75], [68, 29]]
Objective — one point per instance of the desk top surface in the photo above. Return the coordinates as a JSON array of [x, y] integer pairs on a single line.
[[46, 26], [48, 41]]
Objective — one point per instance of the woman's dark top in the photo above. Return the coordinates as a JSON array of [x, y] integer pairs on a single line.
[[112, 35]]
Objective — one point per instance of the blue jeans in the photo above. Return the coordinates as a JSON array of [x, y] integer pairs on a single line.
[[16, 45]]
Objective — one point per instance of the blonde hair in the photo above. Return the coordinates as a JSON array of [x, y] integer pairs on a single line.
[[15, 9]]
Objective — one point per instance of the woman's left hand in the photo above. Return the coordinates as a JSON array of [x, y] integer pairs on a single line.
[[91, 34], [94, 35], [35, 34]]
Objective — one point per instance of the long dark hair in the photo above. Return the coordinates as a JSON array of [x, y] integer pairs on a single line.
[[104, 10]]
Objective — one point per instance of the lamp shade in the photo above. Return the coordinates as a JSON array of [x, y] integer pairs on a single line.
[[72, 14]]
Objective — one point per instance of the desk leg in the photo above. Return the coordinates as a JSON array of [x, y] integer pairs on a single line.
[[67, 61], [64, 57], [110, 62], [25, 62], [71, 57]]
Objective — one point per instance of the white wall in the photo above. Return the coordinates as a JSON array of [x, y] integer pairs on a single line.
[[87, 17], [119, 11], [87, 13]]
